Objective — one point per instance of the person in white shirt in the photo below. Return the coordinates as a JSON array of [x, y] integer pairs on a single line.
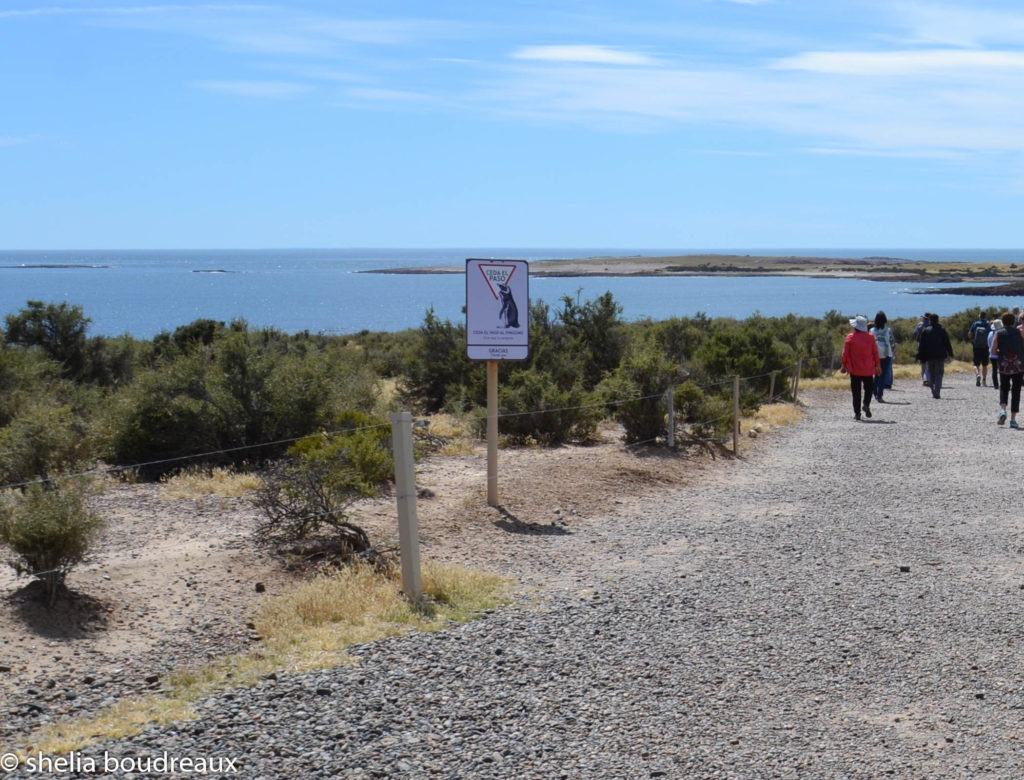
[[886, 354]]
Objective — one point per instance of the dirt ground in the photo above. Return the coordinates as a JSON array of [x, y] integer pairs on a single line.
[[176, 581]]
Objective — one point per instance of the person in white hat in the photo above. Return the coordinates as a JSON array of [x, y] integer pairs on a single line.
[[861, 362]]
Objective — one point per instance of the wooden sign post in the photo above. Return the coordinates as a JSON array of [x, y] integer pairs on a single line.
[[497, 328]]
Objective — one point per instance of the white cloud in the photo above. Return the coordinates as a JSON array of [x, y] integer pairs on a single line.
[[930, 154], [921, 114], [272, 90], [146, 10], [386, 95], [949, 83], [951, 25], [603, 55], [384, 32], [887, 63]]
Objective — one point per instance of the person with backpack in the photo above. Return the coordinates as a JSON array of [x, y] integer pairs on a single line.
[[886, 354], [992, 355], [860, 361], [934, 349], [978, 336], [1009, 345]]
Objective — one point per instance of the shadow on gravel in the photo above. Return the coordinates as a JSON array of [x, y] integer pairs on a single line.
[[509, 522], [879, 422], [72, 616], [896, 403]]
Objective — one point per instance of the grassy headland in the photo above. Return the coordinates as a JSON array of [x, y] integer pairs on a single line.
[[993, 278]]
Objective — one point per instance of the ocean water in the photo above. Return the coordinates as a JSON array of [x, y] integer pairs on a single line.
[[144, 292]]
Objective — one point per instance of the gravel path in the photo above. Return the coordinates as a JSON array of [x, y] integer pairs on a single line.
[[846, 602]]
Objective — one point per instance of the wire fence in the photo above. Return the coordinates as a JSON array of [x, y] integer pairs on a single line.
[[716, 422]]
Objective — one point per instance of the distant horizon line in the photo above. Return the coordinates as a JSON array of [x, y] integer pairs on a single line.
[[694, 250]]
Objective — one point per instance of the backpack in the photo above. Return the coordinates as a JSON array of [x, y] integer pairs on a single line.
[[1011, 347], [981, 334]]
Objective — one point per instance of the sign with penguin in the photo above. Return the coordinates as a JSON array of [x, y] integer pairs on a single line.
[[497, 309]]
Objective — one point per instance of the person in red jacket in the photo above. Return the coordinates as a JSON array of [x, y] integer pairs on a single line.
[[861, 362]]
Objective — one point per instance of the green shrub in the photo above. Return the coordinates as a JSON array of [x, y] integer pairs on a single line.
[[58, 329], [594, 337], [705, 415], [40, 442], [357, 455], [233, 400], [437, 368], [321, 477], [635, 392], [167, 413], [48, 531], [27, 378], [533, 408], [679, 337]]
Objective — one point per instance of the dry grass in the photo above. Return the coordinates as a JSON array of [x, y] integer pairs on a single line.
[[457, 432], [387, 392], [773, 416], [904, 371], [203, 482], [307, 628]]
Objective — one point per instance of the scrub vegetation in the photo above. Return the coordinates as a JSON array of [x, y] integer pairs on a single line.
[[308, 413]]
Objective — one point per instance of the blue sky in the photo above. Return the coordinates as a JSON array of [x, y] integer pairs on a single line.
[[556, 123]]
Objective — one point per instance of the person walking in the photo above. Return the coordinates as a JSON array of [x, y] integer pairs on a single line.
[[933, 349], [860, 360], [978, 336], [992, 356], [1009, 345], [886, 353], [921, 325]]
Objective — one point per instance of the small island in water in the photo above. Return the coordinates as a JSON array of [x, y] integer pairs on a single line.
[[991, 278]]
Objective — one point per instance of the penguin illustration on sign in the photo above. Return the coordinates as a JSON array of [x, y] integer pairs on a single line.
[[509, 314]]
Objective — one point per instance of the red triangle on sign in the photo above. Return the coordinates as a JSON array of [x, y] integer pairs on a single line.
[[495, 274]]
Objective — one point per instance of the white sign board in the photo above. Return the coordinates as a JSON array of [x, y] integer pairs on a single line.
[[497, 309]]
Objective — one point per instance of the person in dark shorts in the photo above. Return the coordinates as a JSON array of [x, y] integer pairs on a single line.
[[978, 336]]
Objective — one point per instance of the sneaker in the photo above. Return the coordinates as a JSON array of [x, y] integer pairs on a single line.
[[856, 417], [1013, 424], [867, 412], [977, 381], [1002, 418]]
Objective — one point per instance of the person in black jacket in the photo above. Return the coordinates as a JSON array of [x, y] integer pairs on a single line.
[[933, 347]]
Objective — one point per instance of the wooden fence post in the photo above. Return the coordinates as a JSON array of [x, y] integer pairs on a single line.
[[771, 389], [670, 400], [405, 492], [736, 415], [796, 383]]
